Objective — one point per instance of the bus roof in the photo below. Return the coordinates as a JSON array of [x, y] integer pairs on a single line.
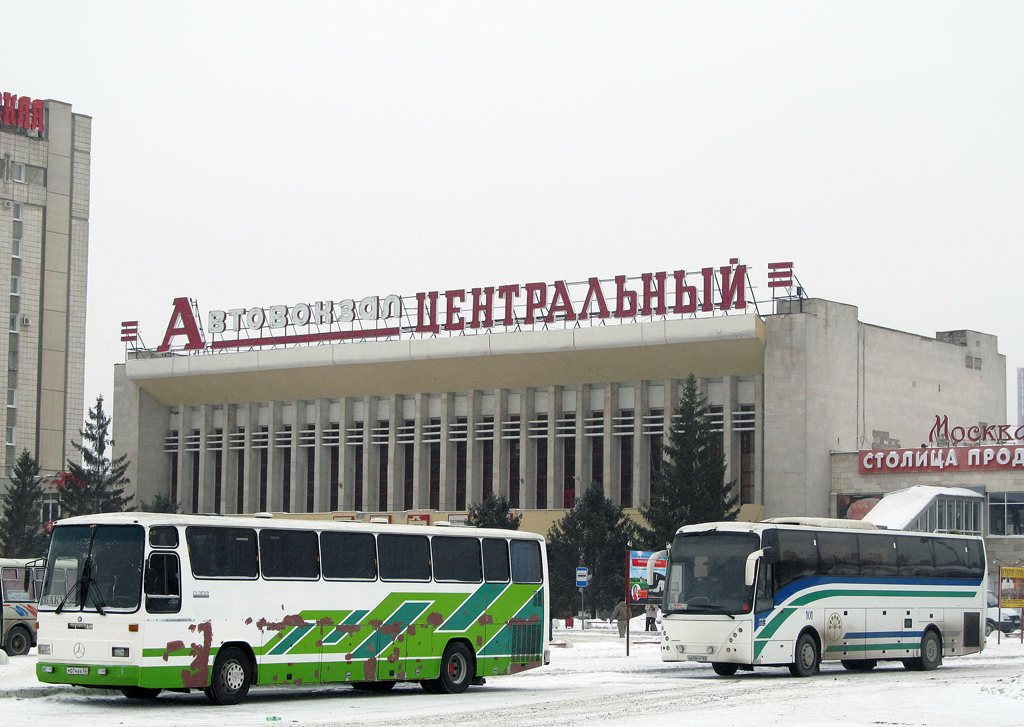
[[149, 519]]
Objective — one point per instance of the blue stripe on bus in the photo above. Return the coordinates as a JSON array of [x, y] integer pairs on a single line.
[[881, 634], [805, 583]]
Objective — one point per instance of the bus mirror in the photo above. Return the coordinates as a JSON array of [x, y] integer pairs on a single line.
[[655, 557], [751, 566]]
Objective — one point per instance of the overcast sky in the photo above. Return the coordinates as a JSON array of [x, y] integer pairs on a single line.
[[259, 153]]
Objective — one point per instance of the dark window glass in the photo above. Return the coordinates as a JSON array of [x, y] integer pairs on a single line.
[[915, 557], [222, 552], [163, 583], [496, 560], [404, 557], [349, 556], [163, 536], [798, 556], [526, 564], [950, 558], [289, 554], [878, 555], [456, 559], [976, 559], [838, 554]]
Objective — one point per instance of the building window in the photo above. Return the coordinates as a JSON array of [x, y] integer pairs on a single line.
[[1006, 513], [17, 172], [626, 471], [12, 361], [569, 469], [49, 507], [15, 248], [17, 211], [10, 436], [14, 323], [15, 285], [11, 398]]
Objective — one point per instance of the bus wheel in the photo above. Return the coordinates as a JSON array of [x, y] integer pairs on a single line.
[[807, 657], [724, 670], [232, 675], [456, 669], [140, 692], [373, 686], [18, 641], [931, 651], [859, 664]]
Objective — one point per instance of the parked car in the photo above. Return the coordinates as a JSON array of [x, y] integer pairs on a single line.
[[1010, 621]]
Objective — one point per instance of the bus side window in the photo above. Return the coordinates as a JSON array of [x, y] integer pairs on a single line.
[[496, 569], [163, 583], [526, 563], [915, 556], [798, 556], [456, 559], [765, 595]]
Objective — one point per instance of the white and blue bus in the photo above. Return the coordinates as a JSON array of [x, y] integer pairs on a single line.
[[796, 591]]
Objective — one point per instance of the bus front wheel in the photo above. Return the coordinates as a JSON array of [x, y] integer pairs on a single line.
[[232, 676], [18, 641], [807, 657], [724, 670]]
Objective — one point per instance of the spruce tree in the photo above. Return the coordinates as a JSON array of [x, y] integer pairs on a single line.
[[493, 513], [97, 484], [161, 503], [690, 486], [21, 529], [595, 533]]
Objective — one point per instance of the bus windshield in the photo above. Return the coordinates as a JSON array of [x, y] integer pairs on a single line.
[[705, 573], [94, 568]]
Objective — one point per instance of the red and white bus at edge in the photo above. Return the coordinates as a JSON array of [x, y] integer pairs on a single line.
[[795, 591], [145, 602]]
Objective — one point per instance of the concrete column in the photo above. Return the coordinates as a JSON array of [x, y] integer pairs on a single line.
[[474, 450], [611, 445], [184, 483], [759, 439], [229, 470], [251, 485], [527, 450], [556, 461], [395, 483], [207, 460], [346, 457], [321, 457], [730, 438], [275, 460], [641, 446], [371, 468], [501, 488], [421, 456], [446, 494]]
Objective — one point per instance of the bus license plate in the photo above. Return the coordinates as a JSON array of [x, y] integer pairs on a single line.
[[78, 670], [696, 657]]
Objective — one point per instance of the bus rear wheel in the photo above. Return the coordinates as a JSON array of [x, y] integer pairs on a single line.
[[232, 676], [140, 692], [807, 657], [18, 641], [724, 670], [457, 670]]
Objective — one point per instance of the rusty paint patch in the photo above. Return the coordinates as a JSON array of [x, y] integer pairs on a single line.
[[346, 629], [248, 621], [534, 618], [479, 642], [173, 646], [371, 648], [518, 667], [485, 620], [400, 675], [197, 674], [325, 622], [370, 669], [435, 619], [348, 657], [316, 673], [376, 623], [293, 620], [400, 639], [298, 680], [392, 629], [393, 656]]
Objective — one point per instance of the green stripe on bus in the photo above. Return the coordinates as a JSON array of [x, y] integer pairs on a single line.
[[474, 607], [288, 641], [875, 647]]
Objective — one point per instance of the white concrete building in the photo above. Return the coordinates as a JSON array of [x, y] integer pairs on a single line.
[[422, 422], [44, 231]]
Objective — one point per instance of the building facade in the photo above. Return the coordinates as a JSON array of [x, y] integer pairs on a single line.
[[44, 231], [428, 424]]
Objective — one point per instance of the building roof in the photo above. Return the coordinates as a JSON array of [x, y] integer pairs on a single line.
[[899, 509]]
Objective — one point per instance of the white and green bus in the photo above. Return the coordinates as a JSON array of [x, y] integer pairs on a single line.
[[792, 592], [145, 602], [20, 580]]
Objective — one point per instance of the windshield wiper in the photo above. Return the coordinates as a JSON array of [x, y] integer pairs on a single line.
[[82, 586], [710, 607]]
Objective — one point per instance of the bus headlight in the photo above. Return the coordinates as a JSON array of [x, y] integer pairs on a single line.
[[119, 651], [44, 649]]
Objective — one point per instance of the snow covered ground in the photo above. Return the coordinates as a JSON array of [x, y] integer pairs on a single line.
[[590, 680]]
